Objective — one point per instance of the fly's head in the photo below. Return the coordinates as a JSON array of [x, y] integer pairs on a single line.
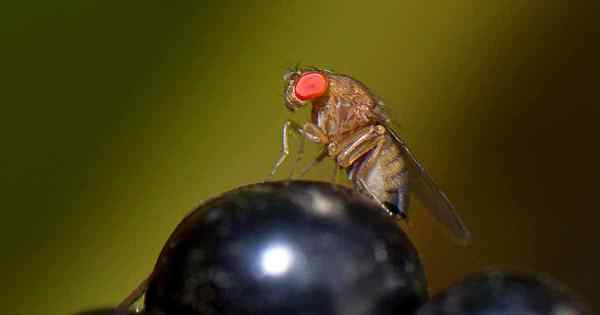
[[305, 85]]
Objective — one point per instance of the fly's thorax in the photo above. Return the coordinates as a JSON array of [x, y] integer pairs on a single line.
[[345, 91], [346, 108]]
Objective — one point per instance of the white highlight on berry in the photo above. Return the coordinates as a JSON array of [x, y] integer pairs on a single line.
[[276, 260]]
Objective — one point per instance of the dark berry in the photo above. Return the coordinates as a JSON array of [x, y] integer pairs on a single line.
[[107, 311], [287, 248], [498, 293]]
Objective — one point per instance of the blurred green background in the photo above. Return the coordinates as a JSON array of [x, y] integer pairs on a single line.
[[119, 117]]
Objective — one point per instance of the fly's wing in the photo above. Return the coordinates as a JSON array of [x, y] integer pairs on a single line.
[[430, 195]]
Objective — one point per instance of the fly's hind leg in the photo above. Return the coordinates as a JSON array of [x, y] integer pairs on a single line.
[[135, 295], [366, 190], [372, 143], [399, 208]]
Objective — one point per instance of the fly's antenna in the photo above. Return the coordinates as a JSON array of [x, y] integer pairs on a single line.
[[315, 68], [311, 68], [290, 66], [297, 66], [289, 70]]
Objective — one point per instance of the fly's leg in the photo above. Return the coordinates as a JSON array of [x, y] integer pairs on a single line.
[[334, 175], [309, 130], [314, 162], [318, 160], [353, 147], [352, 140], [285, 148], [367, 166], [371, 143], [365, 188], [314, 133], [348, 150], [135, 295], [299, 156]]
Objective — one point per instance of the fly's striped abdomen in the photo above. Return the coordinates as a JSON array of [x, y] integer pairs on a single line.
[[386, 180]]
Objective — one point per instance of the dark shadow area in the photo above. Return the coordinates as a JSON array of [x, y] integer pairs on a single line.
[[536, 144]]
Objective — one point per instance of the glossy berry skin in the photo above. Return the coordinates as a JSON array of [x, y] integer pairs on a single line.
[[108, 311], [498, 293], [287, 248]]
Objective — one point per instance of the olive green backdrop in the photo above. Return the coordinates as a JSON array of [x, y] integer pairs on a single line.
[[119, 117]]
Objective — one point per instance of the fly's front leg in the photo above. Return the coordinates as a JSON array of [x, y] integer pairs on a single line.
[[314, 133], [299, 155], [309, 130], [285, 147], [335, 174], [317, 135], [314, 162]]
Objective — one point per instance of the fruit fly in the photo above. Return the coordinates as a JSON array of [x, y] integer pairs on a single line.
[[349, 120]]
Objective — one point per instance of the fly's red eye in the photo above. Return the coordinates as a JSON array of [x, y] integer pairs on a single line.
[[310, 86]]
